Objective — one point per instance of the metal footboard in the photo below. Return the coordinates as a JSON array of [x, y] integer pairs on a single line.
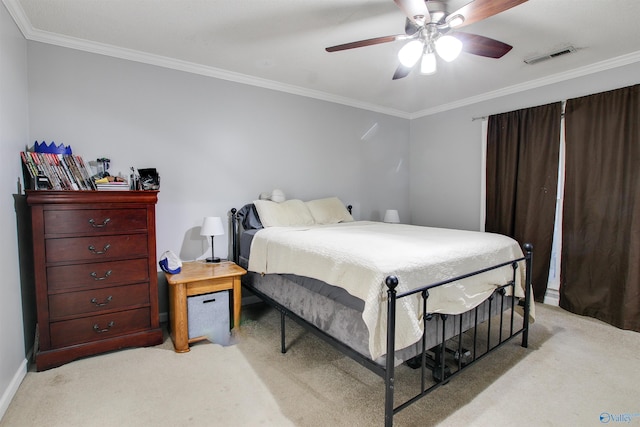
[[444, 377]]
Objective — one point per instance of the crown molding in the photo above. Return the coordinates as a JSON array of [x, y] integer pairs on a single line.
[[23, 23], [608, 64], [30, 33]]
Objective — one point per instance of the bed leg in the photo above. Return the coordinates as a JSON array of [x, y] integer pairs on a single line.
[[391, 282], [528, 248], [283, 347]]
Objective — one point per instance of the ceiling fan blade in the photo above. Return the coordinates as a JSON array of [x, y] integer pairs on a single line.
[[416, 10], [478, 10], [401, 72], [481, 45], [368, 42]]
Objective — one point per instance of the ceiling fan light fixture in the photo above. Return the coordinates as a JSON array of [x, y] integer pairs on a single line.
[[410, 53], [455, 20], [448, 47], [428, 65]]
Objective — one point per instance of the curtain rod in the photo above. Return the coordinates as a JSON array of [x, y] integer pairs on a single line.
[[564, 105]]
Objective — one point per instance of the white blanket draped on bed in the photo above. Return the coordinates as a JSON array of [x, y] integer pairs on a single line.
[[358, 256]]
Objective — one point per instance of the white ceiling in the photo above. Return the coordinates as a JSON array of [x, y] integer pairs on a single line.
[[280, 44]]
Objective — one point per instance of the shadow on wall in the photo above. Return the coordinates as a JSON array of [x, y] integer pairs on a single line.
[[194, 246]]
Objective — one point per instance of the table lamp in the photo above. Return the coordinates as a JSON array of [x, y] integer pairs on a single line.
[[391, 216], [212, 226]]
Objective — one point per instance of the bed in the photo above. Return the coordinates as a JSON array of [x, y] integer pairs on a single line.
[[385, 294]]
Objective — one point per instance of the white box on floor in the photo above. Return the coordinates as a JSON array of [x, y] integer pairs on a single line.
[[208, 315]]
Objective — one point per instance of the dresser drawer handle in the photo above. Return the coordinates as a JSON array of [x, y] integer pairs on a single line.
[[104, 223], [95, 275], [101, 304], [99, 331], [103, 251]]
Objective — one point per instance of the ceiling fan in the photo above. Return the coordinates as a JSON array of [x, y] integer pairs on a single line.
[[430, 29]]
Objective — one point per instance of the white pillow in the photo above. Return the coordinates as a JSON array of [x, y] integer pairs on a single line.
[[291, 213], [329, 211]]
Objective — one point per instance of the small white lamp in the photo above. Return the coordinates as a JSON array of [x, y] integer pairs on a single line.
[[391, 216], [212, 226]]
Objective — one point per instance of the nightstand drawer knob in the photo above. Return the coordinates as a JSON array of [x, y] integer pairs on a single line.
[[95, 225], [99, 331], [103, 251], [101, 304], [95, 275]]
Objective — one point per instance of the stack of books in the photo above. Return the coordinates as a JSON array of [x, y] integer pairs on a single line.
[[112, 186], [58, 171]]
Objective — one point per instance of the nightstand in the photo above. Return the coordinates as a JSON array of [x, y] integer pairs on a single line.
[[198, 278]]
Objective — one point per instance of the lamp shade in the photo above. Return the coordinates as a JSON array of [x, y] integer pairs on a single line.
[[212, 226], [391, 216]]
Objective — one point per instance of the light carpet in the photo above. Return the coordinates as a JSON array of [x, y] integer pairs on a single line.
[[576, 371]]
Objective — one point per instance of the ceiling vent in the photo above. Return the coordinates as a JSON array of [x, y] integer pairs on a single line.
[[556, 53]]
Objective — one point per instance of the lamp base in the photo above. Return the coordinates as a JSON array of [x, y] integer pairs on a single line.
[[214, 259]]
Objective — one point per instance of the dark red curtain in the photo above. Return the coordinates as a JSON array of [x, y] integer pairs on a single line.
[[522, 178], [600, 272]]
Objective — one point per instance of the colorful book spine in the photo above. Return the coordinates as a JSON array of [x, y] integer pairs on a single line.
[[63, 171]]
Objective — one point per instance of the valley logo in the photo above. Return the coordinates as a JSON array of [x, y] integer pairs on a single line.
[[606, 418]]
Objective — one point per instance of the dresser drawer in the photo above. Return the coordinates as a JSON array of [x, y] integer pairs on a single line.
[[96, 248], [85, 329], [96, 300], [94, 221], [99, 274]]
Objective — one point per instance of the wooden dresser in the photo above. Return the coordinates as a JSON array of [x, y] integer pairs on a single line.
[[95, 272]]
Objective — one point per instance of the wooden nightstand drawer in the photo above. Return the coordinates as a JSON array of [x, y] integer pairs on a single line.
[[97, 300], [94, 221], [77, 331], [101, 274], [96, 248]]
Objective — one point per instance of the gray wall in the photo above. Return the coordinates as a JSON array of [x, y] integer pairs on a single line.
[[13, 135], [446, 148], [216, 144]]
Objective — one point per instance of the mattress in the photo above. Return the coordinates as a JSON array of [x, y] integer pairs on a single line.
[[358, 256], [339, 314]]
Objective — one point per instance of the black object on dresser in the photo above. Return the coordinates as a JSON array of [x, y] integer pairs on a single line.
[[95, 272]]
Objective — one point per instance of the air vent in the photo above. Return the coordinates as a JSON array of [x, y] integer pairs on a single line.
[[563, 51]]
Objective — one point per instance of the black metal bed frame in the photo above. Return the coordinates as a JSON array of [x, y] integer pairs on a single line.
[[442, 377]]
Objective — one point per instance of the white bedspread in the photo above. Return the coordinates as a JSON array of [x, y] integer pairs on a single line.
[[358, 256]]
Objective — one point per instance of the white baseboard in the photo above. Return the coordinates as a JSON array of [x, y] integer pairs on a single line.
[[12, 389], [552, 297]]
